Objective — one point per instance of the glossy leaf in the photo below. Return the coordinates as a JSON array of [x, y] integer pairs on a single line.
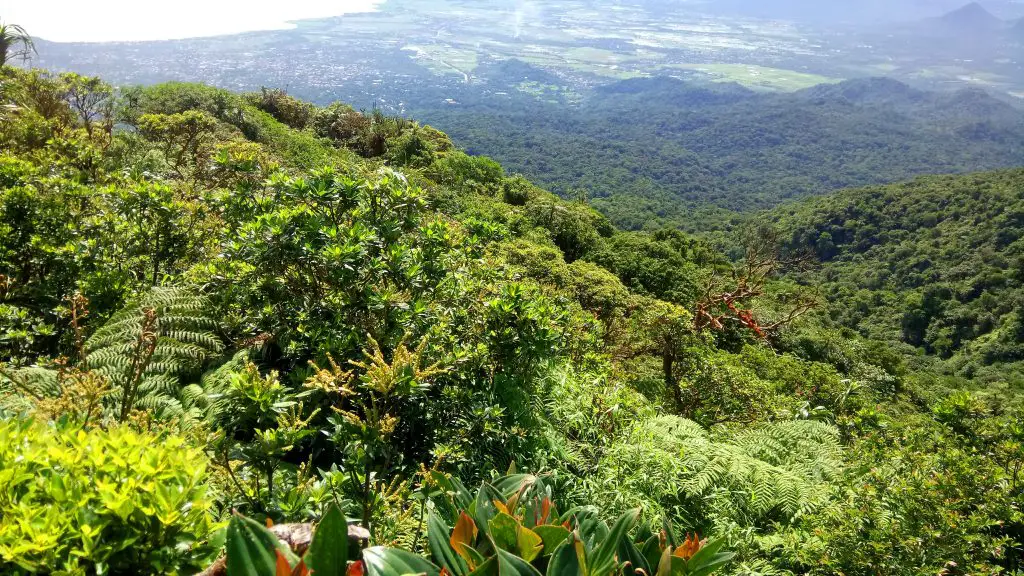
[[708, 559], [564, 561], [652, 552], [328, 552], [511, 565], [530, 545], [602, 560], [503, 530], [252, 549], [483, 508], [665, 563], [552, 536], [442, 547], [382, 561], [629, 553]]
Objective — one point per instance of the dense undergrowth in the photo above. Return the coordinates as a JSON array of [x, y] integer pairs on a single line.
[[300, 309]]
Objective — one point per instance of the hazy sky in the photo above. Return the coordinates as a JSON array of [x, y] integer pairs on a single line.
[[108, 20]]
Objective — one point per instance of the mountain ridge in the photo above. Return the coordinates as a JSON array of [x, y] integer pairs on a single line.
[[725, 146], [972, 18]]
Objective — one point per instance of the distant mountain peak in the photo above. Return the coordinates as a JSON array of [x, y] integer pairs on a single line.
[[972, 17]]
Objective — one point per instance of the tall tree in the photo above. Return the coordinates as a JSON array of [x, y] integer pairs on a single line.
[[15, 43]]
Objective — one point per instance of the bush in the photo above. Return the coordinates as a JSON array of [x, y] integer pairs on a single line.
[[465, 172], [288, 110], [101, 501]]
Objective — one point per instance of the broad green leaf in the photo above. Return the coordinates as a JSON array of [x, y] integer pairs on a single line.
[[602, 560], [512, 484], [250, 548], [670, 532], [564, 561], [665, 563], [483, 508], [708, 559], [463, 497], [552, 535], [628, 552], [589, 526], [473, 556], [707, 551], [529, 543], [511, 565], [503, 530], [714, 563], [652, 552], [382, 561], [328, 552], [488, 568], [441, 548]]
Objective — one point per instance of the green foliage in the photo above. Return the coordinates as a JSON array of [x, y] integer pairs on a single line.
[[665, 265], [925, 506], [663, 152], [285, 109], [772, 474], [101, 502], [352, 318], [898, 268], [146, 349], [466, 172], [15, 43], [510, 526]]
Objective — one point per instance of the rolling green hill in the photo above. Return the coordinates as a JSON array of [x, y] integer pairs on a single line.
[[651, 152], [936, 263]]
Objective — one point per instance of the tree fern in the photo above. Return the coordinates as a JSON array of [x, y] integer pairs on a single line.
[[19, 387], [144, 351], [148, 346], [774, 473]]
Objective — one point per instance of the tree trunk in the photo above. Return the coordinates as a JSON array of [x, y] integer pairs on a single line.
[[667, 362]]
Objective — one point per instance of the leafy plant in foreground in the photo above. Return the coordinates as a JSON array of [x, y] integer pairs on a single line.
[[114, 502], [510, 526]]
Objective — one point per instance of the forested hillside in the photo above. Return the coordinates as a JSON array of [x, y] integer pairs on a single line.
[[936, 264], [214, 302], [652, 151]]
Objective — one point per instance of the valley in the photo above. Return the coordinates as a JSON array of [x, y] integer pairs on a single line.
[[372, 58]]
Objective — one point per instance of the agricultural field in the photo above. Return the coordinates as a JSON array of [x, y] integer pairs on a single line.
[[758, 77]]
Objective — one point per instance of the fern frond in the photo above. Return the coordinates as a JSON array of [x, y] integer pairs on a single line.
[[150, 344], [773, 473]]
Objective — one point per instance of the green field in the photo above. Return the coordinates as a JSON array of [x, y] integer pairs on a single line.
[[759, 77]]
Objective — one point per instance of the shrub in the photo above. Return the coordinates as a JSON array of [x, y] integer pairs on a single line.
[[463, 171], [288, 110], [101, 501]]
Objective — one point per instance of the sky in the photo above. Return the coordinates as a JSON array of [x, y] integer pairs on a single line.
[[125, 20]]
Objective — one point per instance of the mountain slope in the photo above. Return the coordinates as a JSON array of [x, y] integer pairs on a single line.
[[398, 319], [937, 263], [671, 145], [971, 19]]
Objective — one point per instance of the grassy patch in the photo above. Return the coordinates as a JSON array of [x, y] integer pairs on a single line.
[[759, 77]]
